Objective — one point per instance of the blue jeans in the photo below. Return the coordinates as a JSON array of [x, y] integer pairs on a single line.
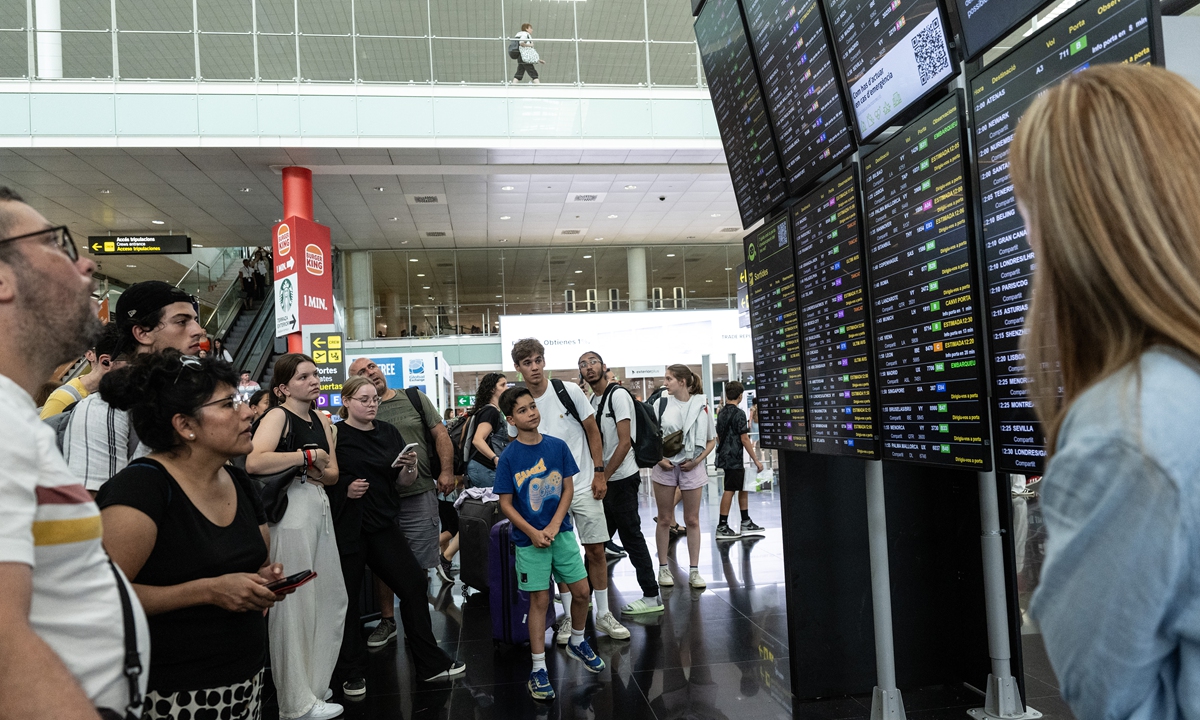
[[480, 475]]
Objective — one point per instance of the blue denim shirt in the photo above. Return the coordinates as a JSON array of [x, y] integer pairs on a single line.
[[1118, 604]]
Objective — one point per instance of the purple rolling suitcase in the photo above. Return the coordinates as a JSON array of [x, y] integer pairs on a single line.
[[509, 605]]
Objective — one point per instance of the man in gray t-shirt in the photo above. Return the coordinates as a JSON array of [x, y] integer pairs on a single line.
[[618, 431]]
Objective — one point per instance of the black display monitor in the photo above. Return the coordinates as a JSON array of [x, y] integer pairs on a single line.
[[741, 113], [891, 54], [775, 329], [1097, 31], [838, 381], [983, 22], [929, 353], [799, 79]]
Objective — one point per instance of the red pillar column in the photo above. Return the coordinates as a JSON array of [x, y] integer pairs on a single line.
[[297, 202]]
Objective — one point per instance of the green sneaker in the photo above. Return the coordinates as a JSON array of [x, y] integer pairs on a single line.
[[641, 607]]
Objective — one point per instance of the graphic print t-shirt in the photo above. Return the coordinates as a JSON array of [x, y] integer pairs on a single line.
[[533, 475]]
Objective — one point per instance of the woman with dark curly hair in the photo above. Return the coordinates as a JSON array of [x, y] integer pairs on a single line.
[[190, 532], [491, 431]]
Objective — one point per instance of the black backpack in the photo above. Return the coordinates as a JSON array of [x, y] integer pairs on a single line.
[[462, 431], [514, 49], [648, 447]]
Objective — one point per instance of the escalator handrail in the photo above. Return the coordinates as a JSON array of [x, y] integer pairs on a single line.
[[259, 341]]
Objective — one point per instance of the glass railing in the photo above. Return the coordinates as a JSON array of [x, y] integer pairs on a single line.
[[429, 321], [220, 317]]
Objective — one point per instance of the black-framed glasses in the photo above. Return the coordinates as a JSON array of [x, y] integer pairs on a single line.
[[237, 400], [62, 240]]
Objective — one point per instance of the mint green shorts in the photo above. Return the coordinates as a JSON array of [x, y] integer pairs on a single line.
[[534, 564]]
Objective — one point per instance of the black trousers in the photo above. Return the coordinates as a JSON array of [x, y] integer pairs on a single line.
[[621, 513], [387, 554], [523, 68]]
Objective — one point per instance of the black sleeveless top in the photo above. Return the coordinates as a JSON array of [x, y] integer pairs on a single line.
[[303, 432]]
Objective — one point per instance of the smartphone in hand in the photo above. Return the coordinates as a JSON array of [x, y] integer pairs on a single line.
[[291, 582], [407, 449]]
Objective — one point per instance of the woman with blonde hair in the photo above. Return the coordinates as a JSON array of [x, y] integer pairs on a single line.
[[1106, 168], [688, 437]]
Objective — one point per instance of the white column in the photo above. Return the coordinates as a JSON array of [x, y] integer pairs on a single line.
[[359, 295], [49, 39], [635, 258]]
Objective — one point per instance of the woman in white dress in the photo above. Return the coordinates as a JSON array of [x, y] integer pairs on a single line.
[[306, 632]]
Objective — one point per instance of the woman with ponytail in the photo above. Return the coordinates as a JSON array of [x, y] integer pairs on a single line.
[[688, 431], [366, 506], [306, 632], [190, 533]]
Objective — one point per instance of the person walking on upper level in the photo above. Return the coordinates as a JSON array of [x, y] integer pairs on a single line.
[[528, 57]]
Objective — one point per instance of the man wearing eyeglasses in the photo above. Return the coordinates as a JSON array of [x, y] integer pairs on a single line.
[[61, 628], [151, 316]]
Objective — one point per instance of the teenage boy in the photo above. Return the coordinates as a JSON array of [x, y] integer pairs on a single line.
[[534, 479], [733, 435], [614, 410], [576, 426]]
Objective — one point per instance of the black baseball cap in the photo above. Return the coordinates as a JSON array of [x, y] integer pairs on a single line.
[[141, 300]]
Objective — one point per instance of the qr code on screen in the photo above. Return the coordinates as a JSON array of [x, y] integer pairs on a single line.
[[929, 48]]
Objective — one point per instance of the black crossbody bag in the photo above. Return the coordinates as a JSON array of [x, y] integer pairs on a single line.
[[133, 661]]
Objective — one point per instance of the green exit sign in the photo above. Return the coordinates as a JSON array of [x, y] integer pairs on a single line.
[[463, 401]]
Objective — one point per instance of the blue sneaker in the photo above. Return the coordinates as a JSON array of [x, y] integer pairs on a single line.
[[583, 652], [539, 685]]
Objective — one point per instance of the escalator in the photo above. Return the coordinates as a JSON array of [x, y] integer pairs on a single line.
[[255, 350]]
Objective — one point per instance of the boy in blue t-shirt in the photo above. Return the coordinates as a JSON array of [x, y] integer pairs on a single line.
[[534, 482]]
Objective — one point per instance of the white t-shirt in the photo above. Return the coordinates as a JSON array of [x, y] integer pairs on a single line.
[[698, 432], [557, 422], [99, 442], [260, 267], [246, 272], [49, 522], [619, 407]]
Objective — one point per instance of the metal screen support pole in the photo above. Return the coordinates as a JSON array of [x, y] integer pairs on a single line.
[[886, 703], [1003, 699]]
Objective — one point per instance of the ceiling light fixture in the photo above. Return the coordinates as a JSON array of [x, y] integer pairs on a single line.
[[587, 257], [597, 239], [499, 296], [424, 287], [131, 266], [412, 259], [105, 191], [420, 274], [506, 217], [380, 189], [610, 217], [503, 239], [631, 187], [570, 284], [578, 272], [715, 215], [670, 254], [403, 242], [195, 245], [158, 222], [708, 281], [506, 187], [245, 190], [393, 219]]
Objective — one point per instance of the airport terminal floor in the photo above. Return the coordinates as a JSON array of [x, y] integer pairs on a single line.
[[716, 654]]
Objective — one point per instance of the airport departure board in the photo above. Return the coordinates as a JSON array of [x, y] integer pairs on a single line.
[[928, 345], [775, 329], [984, 22], [742, 119], [1098, 31], [799, 80], [838, 382], [892, 54]]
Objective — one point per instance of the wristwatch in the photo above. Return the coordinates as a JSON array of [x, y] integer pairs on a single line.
[[599, 468]]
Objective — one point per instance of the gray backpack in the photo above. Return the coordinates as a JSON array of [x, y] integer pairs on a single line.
[[514, 49]]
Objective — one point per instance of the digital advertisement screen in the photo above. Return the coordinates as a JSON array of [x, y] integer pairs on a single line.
[[741, 113], [831, 284], [892, 54], [799, 80], [928, 345], [775, 328], [986, 21], [1099, 31]]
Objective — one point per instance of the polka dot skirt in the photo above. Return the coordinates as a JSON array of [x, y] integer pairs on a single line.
[[240, 701]]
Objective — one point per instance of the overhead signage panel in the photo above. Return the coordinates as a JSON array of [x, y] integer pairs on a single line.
[[140, 244]]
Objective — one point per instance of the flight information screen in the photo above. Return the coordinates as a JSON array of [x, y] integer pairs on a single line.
[[741, 113], [986, 21], [928, 345], [775, 329], [1099, 31], [892, 54], [800, 83], [833, 320]]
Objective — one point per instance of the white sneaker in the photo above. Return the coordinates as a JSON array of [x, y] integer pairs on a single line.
[[610, 627], [322, 711], [563, 635], [665, 578], [695, 580]]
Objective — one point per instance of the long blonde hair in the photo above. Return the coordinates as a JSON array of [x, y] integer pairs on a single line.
[[1107, 168]]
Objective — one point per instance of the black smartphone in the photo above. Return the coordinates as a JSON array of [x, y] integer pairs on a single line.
[[291, 581]]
